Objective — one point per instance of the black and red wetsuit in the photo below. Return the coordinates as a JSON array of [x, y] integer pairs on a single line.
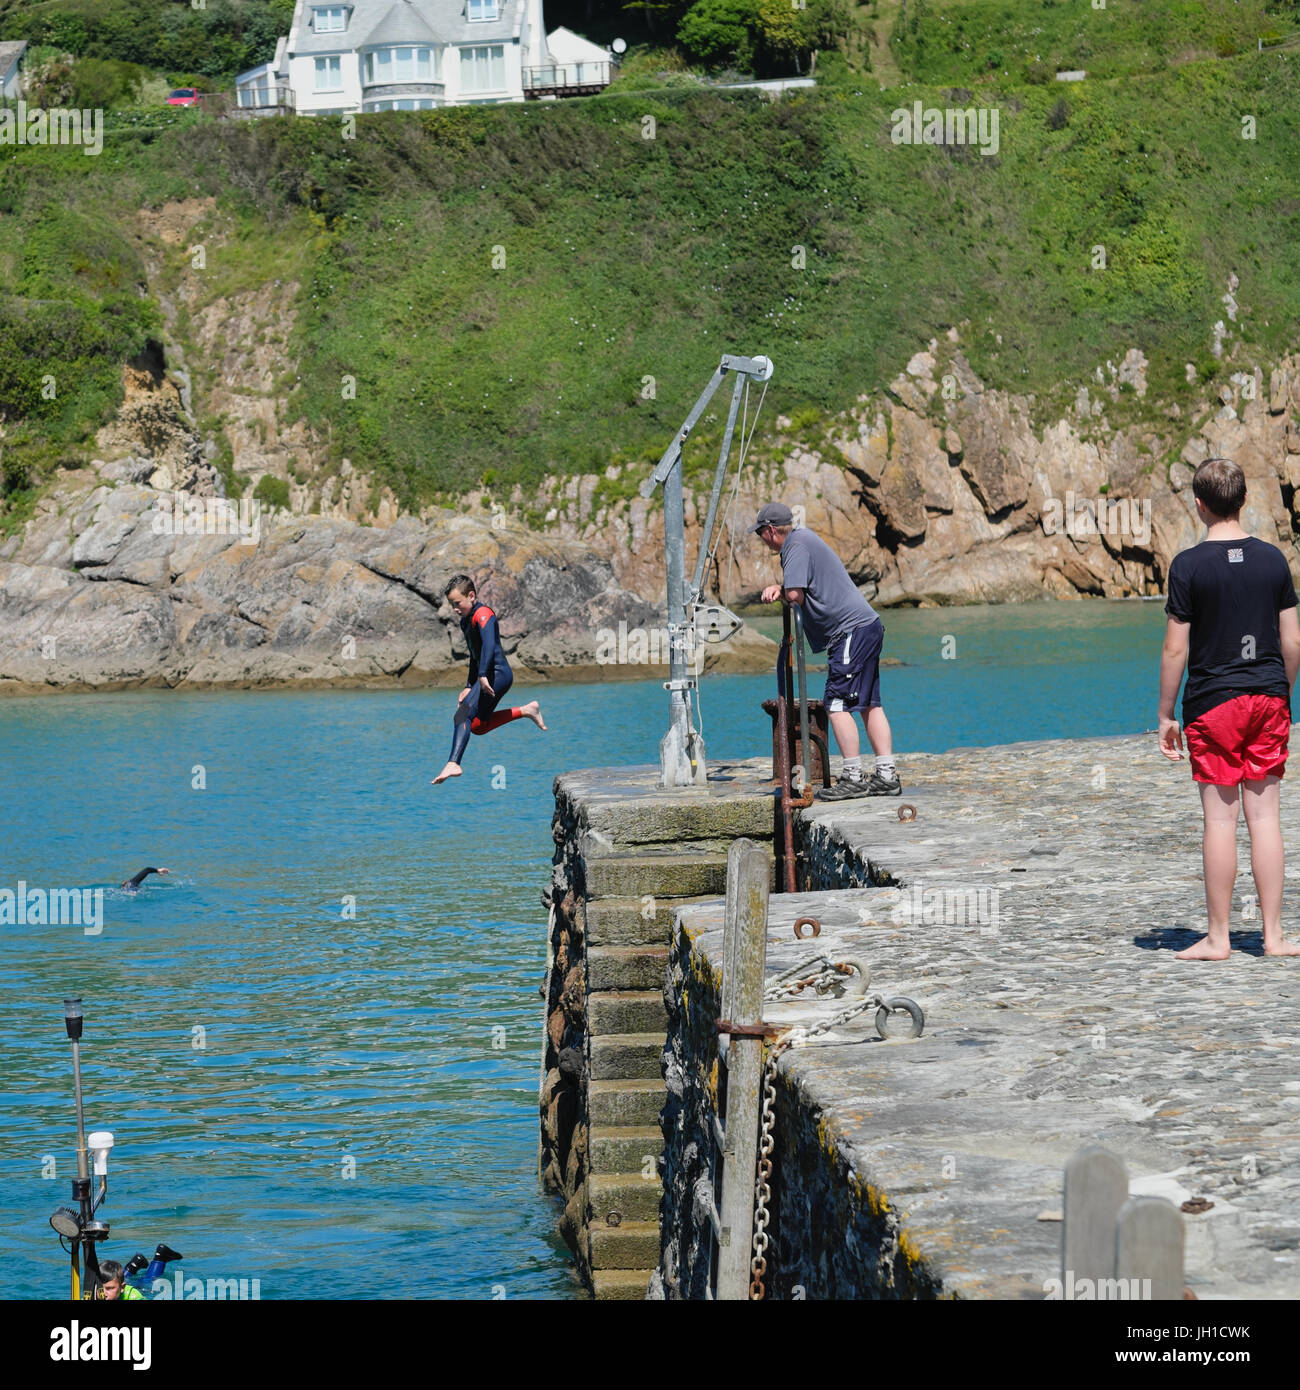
[[475, 713]]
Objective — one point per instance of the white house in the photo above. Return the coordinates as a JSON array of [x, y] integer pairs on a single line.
[[346, 56], [11, 64]]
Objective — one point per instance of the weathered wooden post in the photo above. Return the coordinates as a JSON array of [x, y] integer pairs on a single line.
[[746, 962]]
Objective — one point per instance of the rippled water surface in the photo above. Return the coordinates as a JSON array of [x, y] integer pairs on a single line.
[[245, 1038]]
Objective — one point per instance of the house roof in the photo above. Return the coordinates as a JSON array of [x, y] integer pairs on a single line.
[[568, 47], [10, 54], [374, 22], [403, 23]]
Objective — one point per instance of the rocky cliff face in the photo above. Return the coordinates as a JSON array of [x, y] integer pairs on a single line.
[[943, 492], [934, 491], [116, 584]]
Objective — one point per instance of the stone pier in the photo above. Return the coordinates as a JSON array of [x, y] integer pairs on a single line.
[[1033, 908], [628, 856]]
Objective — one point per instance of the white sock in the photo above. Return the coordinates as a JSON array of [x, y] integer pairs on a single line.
[[853, 769], [885, 766]]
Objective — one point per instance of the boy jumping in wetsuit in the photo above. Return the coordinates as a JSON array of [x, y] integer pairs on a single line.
[[489, 675]]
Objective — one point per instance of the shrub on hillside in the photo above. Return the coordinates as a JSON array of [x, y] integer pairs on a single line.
[[272, 492], [719, 31], [91, 84]]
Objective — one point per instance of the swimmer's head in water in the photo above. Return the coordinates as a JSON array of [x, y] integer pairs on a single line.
[[461, 594]]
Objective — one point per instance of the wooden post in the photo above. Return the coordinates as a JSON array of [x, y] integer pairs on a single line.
[[747, 889], [1096, 1186]]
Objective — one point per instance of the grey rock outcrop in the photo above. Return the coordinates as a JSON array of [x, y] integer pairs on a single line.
[[943, 492], [113, 584]]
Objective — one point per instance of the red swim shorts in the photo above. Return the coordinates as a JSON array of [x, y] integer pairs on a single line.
[[1240, 740]]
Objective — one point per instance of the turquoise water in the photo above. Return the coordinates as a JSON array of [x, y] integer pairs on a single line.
[[405, 1039]]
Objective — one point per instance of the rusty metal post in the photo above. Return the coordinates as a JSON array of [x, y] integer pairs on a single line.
[[747, 873], [803, 699], [784, 792]]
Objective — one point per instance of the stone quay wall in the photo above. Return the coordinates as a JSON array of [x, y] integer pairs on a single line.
[[628, 855]]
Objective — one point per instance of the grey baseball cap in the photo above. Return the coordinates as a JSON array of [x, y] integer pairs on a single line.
[[774, 514]]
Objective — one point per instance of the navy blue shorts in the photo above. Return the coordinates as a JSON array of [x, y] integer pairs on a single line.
[[853, 673]]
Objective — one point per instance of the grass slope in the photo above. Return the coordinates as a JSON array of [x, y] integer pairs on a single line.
[[623, 258]]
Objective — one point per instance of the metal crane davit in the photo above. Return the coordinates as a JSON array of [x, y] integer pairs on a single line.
[[690, 619]]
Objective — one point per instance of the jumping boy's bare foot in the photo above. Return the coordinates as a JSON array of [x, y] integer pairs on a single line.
[[451, 770], [1203, 950], [531, 711], [1281, 948]]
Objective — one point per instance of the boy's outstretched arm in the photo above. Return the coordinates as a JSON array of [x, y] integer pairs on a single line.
[[1173, 661], [1288, 626]]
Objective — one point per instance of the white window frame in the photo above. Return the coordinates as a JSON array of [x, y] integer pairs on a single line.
[[426, 68], [329, 11], [469, 58], [488, 10], [323, 70]]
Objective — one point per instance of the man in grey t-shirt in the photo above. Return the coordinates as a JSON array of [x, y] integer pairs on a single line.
[[838, 618]]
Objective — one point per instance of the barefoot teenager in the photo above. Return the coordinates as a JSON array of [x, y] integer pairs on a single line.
[[489, 675], [1232, 622]]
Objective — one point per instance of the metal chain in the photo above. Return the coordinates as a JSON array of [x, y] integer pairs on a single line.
[[767, 1133], [763, 1186], [825, 976]]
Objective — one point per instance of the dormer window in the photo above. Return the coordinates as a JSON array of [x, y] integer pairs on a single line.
[[330, 19], [481, 10]]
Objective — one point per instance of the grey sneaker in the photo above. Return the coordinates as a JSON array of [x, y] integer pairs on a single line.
[[845, 789], [882, 786]]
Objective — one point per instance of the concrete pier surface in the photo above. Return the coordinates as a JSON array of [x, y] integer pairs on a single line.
[[1040, 895], [1033, 908]]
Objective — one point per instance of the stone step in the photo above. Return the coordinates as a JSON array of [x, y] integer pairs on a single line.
[[626, 1149], [626, 1011], [635, 1198], [627, 1057], [626, 968], [726, 812], [633, 921], [626, 1102], [609, 1284], [633, 1245], [680, 874]]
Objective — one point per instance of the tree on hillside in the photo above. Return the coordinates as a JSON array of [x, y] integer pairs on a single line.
[[719, 31], [163, 35], [661, 16], [773, 36]]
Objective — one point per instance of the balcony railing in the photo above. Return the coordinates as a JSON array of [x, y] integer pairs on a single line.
[[265, 99], [567, 77]]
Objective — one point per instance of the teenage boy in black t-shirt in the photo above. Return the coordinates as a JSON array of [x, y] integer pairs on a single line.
[[1232, 622]]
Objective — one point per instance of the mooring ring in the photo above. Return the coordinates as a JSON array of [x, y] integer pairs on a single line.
[[863, 980], [907, 811], [900, 1004], [807, 922], [614, 1217]]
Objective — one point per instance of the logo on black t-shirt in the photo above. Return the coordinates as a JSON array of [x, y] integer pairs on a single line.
[[1235, 557]]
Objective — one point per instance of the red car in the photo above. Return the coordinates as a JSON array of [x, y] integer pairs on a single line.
[[184, 96]]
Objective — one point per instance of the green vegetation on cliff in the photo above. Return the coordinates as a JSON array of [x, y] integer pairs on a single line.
[[1031, 40], [499, 291]]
